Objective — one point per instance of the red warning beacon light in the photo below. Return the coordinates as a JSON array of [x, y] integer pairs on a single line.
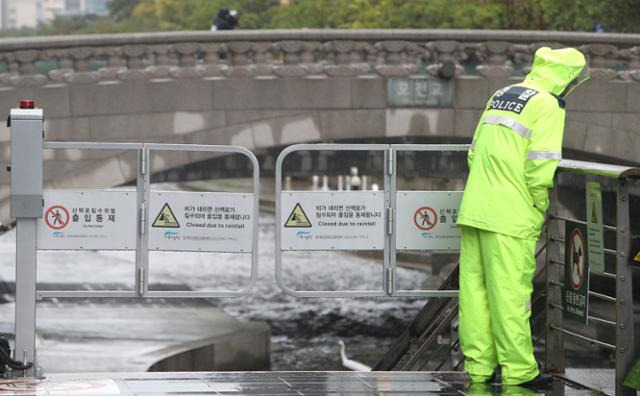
[[27, 104]]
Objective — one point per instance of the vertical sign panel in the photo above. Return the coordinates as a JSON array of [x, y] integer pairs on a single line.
[[594, 227], [339, 220], [575, 294], [201, 222], [88, 220], [426, 220]]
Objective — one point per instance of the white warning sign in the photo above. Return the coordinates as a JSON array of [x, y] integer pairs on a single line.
[[338, 220], [88, 220], [427, 220], [201, 222]]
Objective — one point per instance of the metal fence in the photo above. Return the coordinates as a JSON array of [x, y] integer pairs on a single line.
[[618, 180], [390, 215]]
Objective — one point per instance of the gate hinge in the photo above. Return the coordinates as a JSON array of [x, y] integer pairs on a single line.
[[140, 281], [143, 162], [390, 161], [389, 221], [143, 222]]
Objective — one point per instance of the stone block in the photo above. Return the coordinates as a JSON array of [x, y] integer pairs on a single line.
[[575, 134], [300, 129], [74, 129], [53, 99], [240, 135], [498, 83], [600, 140], [183, 95], [278, 94], [105, 173], [419, 122], [352, 124], [113, 98], [625, 144], [633, 98], [626, 121], [466, 122], [369, 93], [245, 116], [599, 96], [53, 168], [135, 97], [5, 152], [151, 126], [137, 126], [163, 160], [263, 132], [471, 92]]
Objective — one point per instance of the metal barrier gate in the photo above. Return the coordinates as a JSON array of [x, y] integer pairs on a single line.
[[137, 221], [580, 250], [387, 220]]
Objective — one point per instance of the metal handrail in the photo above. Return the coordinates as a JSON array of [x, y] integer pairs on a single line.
[[599, 169]]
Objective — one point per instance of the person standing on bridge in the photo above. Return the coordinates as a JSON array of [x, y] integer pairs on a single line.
[[512, 161]]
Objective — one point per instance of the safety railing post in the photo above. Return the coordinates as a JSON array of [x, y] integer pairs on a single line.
[[554, 340], [26, 207], [625, 347]]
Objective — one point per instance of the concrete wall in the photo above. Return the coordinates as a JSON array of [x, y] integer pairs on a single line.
[[255, 113], [247, 350]]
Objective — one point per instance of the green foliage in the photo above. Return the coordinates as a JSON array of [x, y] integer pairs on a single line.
[[152, 15], [121, 9]]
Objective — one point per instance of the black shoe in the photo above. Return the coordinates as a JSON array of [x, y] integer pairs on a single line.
[[495, 377], [541, 381]]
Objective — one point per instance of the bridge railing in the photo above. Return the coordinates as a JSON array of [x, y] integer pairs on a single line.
[[37, 61]]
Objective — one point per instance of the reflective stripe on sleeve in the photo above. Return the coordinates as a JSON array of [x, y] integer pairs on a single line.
[[550, 155], [473, 145], [509, 123]]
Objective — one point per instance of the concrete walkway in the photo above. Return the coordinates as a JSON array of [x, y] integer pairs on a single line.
[[381, 383]]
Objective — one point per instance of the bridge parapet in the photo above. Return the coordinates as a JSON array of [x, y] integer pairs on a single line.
[[301, 53]]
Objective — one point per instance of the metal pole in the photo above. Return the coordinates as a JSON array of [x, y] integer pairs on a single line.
[[26, 291], [26, 207], [624, 294], [554, 340]]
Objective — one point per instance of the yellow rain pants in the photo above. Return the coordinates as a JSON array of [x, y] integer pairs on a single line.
[[496, 273]]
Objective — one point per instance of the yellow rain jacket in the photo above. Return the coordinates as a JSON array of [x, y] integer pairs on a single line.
[[517, 146]]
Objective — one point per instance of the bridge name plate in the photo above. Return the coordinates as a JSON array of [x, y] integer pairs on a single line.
[[88, 220], [337, 220], [420, 92], [427, 220], [201, 222]]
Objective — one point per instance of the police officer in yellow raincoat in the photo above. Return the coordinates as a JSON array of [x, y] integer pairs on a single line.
[[513, 157]]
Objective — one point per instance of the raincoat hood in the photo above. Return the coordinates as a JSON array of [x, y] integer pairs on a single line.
[[554, 70]]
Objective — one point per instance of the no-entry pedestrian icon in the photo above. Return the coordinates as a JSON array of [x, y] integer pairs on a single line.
[[57, 217], [425, 218]]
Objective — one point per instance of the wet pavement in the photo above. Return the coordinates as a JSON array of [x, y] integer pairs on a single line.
[[271, 384]]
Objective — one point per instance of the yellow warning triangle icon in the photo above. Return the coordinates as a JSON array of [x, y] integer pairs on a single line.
[[166, 218], [594, 214], [637, 257], [297, 218]]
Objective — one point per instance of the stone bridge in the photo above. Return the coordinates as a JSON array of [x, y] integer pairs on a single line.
[[262, 89]]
